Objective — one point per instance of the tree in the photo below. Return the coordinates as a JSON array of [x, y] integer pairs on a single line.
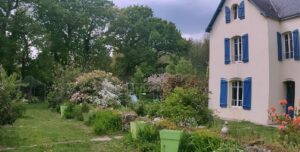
[[199, 55], [75, 31], [137, 37], [183, 67]]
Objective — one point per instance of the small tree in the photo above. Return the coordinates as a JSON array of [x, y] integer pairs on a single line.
[[10, 98]]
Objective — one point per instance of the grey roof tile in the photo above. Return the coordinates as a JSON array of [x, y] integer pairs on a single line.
[[278, 9]]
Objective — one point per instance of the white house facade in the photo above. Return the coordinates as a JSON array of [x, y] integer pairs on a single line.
[[254, 58]]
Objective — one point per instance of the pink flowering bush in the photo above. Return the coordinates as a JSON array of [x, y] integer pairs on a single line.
[[289, 126]]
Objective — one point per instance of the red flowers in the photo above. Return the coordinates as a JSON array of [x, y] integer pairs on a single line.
[[297, 121], [283, 102]]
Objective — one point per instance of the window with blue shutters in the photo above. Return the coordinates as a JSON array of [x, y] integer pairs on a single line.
[[296, 44], [223, 93], [237, 49], [242, 10], [288, 45], [227, 14], [247, 94]]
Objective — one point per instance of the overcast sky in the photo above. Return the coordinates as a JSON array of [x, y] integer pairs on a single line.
[[190, 16]]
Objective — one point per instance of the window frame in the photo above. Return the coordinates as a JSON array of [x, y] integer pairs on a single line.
[[236, 93], [288, 45], [237, 49], [235, 11]]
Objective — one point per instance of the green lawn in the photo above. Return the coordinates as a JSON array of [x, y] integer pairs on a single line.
[[43, 130]]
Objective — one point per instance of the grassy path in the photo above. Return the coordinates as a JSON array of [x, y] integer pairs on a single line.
[[44, 131]]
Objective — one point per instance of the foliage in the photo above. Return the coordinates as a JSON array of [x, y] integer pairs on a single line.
[[136, 36], [147, 139], [289, 123], [11, 107], [166, 124], [203, 141], [60, 90], [230, 146], [183, 67], [198, 54], [187, 107], [106, 122], [144, 107]]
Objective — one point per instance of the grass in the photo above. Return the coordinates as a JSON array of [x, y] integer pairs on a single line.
[[43, 130], [246, 132]]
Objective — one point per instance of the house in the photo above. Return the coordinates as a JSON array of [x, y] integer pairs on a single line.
[[254, 58]]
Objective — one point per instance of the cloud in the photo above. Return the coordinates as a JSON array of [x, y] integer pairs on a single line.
[[190, 16]]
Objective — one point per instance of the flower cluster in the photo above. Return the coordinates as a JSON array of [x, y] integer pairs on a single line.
[[96, 87], [285, 120]]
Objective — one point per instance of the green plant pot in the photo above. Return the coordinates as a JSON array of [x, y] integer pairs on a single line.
[[62, 110], [170, 140], [135, 127]]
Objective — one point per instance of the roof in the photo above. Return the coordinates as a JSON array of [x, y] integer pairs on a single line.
[[275, 9]]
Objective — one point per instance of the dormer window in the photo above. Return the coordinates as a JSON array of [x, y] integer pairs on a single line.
[[288, 45], [235, 11]]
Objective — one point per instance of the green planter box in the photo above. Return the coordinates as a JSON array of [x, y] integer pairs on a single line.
[[62, 110], [135, 127], [170, 140]]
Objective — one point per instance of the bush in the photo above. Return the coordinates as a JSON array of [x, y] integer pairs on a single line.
[[75, 111], [166, 124], [97, 87], [203, 141], [147, 139], [106, 122], [11, 107], [61, 89], [186, 107], [69, 112]]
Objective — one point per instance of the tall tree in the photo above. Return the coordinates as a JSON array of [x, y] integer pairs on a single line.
[[199, 55], [138, 38], [75, 30]]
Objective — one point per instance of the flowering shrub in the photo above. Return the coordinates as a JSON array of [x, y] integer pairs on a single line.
[[97, 87], [165, 83], [289, 126]]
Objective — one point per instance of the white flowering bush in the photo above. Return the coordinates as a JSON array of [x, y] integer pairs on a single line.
[[97, 87]]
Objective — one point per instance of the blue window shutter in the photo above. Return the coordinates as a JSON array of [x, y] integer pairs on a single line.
[[245, 48], [279, 44], [227, 14], [296, 45], [247, 93], [242, 10], [227, 51], [223, 93]]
